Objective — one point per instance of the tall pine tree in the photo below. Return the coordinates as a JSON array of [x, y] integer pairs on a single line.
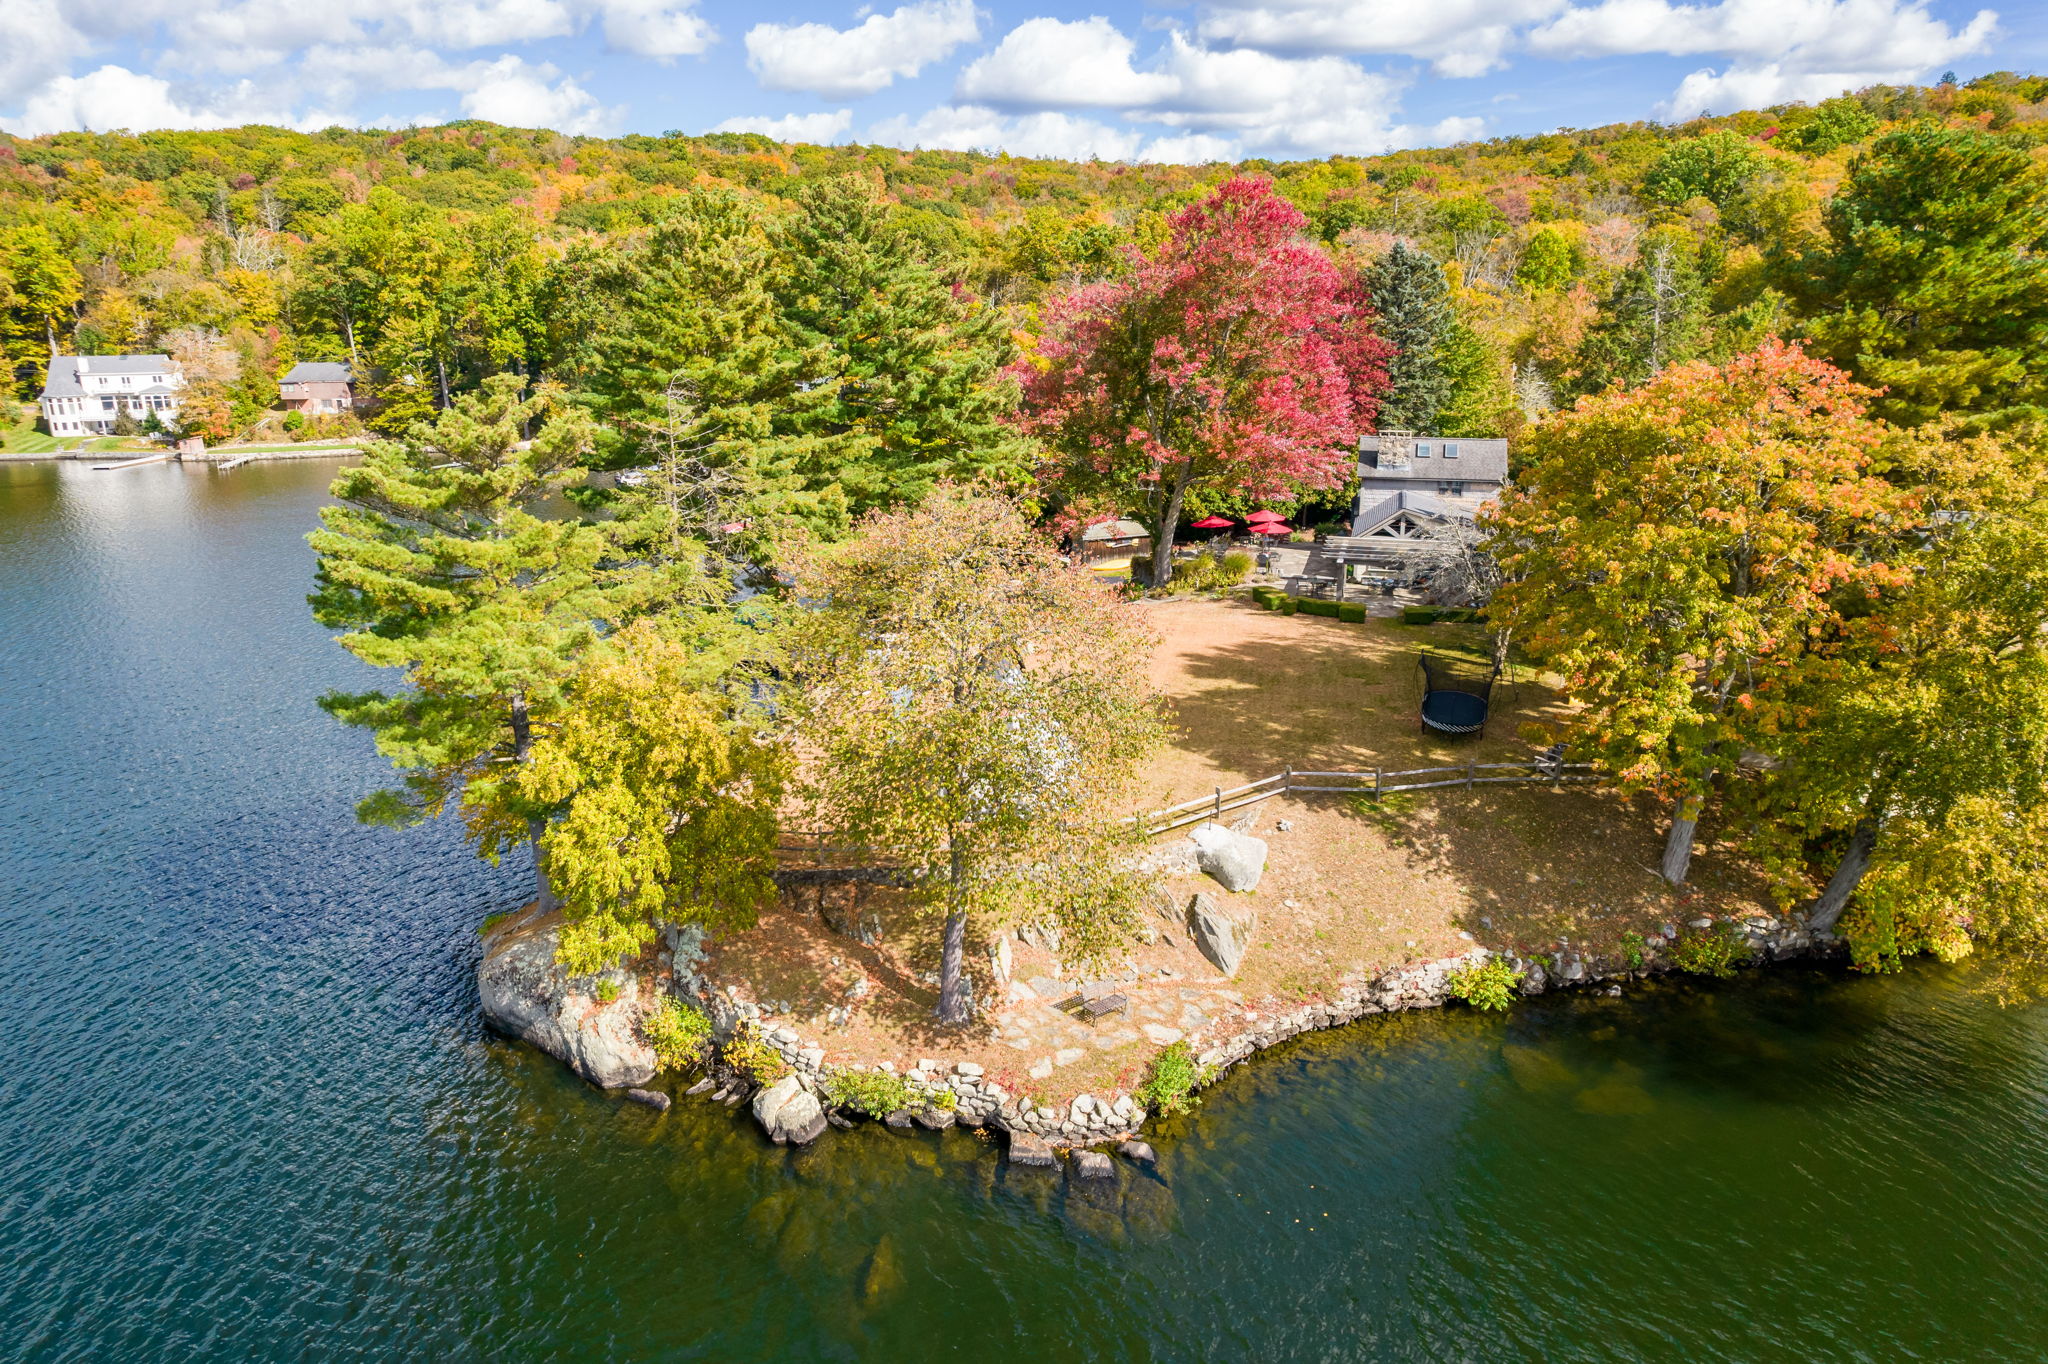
[[920, 368], [1933, 282], [698, 365], [431, 563], [1413, 302], [1654, 317]]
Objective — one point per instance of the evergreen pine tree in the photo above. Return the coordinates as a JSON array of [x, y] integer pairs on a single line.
[[1654, 316], [920, 368], [698, 366], [431, 563], [1933, 282], [1414, 308]]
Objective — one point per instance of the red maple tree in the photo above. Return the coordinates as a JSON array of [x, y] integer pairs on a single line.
[[1231, 360]]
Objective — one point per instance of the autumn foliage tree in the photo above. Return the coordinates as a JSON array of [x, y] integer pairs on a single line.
[[973, 710], [1230, 360], [1682, 553]]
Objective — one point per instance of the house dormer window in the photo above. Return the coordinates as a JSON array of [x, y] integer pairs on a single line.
[[1450, 450], [1422, 450]]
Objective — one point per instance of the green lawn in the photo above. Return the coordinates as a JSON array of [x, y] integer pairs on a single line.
[[26, 440]]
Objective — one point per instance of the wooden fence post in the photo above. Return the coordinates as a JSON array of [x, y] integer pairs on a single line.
[[1219, 803], [1287, 781], [1376, 786]]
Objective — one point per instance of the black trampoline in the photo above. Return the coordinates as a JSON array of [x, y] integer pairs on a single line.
[[1455, 695]]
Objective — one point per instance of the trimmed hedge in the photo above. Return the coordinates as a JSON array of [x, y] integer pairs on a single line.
[[1431, 615], [1268, 597], [1289, 605], [1314, 606], [1352, 611]]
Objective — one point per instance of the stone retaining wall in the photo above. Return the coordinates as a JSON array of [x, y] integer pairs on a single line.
[[1088, 1121]]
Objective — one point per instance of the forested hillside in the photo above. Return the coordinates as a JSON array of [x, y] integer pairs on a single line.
[[435, 257]]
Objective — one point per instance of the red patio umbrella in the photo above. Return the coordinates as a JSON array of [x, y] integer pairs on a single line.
[[1212, 523], [1272, 528], [1256, 517]]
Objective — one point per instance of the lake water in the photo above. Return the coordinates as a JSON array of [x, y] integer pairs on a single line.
[[249, 1111]]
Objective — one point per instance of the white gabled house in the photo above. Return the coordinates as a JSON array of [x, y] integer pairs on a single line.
[[85, 393]]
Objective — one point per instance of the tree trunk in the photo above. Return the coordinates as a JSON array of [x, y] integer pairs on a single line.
[[1169, 521], [441, 371], [1848, 875], [953, 956], [1678, 844], [544, 897]]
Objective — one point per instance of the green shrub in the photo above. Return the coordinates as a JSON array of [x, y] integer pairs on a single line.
[[1352, 611], [1289, 605], [677, 1032], [1237, 566], [876, 1093], [607, 991], [1141, 568], [1314, 606], [1169, 1087], [1632, 945], [749, 1053], [1267, 597], [1489, 985], [1708, 952], [1418, 615], [946, 1100]]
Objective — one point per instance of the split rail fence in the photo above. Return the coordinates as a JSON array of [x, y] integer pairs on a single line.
[[1374, 784], [830, 861]]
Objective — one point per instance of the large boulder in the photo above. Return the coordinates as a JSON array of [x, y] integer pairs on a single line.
[[789, 1113], [525, 995], [1221, 938], [1233, 860]]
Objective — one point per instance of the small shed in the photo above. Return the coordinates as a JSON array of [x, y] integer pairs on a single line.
[[317, 386], [1114, 540]]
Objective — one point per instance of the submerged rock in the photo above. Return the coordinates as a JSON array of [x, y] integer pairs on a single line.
[[653, 1098], [789, 1113], [1139, 1151], [1092, 1165], [525, 995], [1028, 1148]]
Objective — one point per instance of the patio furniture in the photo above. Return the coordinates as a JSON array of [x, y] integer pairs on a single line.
[[1095, 1003]]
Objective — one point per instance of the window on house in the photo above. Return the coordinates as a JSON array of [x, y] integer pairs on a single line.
[[1450, 451], [106, 404], [126, 380], [1422, 452]]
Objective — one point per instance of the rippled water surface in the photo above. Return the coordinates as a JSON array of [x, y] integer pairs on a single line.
[[248, 1110]]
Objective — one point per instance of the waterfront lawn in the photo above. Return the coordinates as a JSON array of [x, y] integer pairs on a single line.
[[1350, 888]]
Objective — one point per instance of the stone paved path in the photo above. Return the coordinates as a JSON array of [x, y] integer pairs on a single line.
[[1161, 1013]]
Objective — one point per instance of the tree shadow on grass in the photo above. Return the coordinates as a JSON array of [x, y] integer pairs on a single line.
[[1270, 692]]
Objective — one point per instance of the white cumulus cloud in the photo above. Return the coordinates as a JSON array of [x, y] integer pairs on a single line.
[[971, 127], [1226, 100], [113, 97], [846, 63], [822, 129], [1777, 50], [1460, 37], [1048, 62], [656, 28]]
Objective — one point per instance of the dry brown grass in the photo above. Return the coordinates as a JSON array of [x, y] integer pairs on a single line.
[[1349, 887]]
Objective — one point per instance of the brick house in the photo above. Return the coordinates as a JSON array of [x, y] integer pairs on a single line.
[[316, 386]]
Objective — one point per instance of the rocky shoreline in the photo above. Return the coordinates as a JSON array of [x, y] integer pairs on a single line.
[[525, 995]]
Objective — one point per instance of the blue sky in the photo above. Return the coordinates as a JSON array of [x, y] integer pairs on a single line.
[[1181, 80]]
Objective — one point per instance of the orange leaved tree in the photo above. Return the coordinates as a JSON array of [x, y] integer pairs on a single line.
[[1685, 553]]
